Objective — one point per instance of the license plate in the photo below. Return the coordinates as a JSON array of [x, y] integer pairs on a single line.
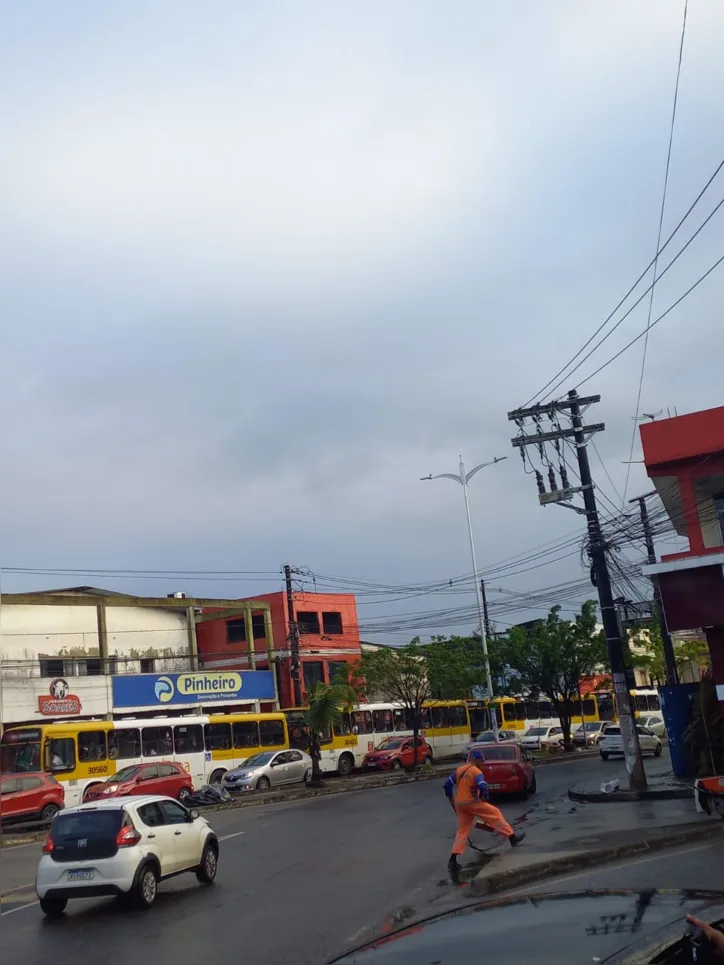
[[371, 764], [494, 787], [83, 874]]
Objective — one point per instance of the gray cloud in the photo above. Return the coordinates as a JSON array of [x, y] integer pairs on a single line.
[[264, 272]]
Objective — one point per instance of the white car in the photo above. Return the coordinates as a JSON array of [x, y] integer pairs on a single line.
[[655, 723], [488, 737], [612, 742], [122, 846], [542, 738]]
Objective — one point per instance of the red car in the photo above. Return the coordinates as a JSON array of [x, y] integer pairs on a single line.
[[166, 777], [394, 753], [507, 768], [30, 797]]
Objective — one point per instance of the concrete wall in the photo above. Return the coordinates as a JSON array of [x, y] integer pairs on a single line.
[[28, 633]]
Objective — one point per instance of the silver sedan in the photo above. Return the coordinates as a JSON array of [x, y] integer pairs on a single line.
[[269, 769]]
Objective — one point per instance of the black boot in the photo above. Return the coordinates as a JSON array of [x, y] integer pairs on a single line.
[[454, 869], [515, 839]]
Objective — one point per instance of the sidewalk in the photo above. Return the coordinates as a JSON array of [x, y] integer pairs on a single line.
[[565, 835]]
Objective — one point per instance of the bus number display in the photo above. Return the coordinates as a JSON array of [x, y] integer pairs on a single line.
[[98, 769]]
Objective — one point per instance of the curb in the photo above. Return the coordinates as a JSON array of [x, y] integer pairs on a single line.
[[484, 884], [673, 793]]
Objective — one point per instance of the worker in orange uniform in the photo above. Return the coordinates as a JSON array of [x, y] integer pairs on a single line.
[[467, 792]]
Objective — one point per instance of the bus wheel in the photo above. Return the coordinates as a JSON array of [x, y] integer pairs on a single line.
[[345, 765], [217, 776]]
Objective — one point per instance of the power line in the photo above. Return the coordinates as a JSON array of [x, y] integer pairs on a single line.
[[656, 258], [635, 285]]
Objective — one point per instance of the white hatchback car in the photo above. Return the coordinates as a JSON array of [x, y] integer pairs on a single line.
[[655, 723], [542, 738], [612, 742], [122, 846]]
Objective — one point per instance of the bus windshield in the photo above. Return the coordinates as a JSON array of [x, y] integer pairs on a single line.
[[20, 752]]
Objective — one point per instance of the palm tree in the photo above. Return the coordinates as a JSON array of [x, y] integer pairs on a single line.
[[327, 703]]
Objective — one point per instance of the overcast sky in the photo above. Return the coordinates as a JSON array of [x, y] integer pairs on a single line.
[[266, 264]]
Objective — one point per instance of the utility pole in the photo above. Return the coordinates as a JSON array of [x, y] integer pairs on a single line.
[[293, 638], [672, 675], [486, 615], [614, 642]]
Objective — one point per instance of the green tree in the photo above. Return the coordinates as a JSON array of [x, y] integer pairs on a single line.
[[553, 656], [400, 674], [456, 666], [327, 703]]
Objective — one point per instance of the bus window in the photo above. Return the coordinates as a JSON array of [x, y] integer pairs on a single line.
[[60, 754], [156, 741], [509, 711], [325, 736], [217, 737], [245, 733], [458, 717], [640, 702], [398, 715], [440, 717], [531, 710], [589, 707], [654, 702], [20, 751], [271, 733], [362, 721], [343, 727], [605, 706], [91, 746], [519, 710], [382, 721], [124, 744], [479, 720], [545, 710], [188, 738]]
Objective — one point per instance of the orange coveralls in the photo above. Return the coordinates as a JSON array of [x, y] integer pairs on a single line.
[[470, 784]]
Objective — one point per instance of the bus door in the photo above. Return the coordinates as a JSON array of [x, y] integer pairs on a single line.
[[188, 750]]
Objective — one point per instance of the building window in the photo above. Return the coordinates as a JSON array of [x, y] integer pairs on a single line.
[[93, 667], [719, 507], [332, 623], [148, 665], [51, 668], [338, 670], [236, 629], [313, 673], [308, 622]]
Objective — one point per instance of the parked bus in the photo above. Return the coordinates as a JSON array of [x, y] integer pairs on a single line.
[[81, 753], [445, 726], [518, 713]]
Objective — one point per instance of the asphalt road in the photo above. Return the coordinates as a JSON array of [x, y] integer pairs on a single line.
[[297, 883]]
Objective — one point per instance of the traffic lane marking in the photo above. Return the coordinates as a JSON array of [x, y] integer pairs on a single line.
[[226, 837]]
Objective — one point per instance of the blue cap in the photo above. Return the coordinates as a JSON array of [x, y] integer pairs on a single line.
[[476, 755]]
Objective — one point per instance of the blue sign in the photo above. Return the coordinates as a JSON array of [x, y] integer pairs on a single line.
[[198, 687]]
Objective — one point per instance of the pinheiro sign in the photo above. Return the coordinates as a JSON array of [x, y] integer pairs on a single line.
[[198, 687]]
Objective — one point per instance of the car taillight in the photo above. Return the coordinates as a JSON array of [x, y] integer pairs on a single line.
[[127, 837], [48, 846]]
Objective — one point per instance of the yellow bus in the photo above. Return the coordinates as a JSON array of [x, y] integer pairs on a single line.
[[82, 753], [445, 727]]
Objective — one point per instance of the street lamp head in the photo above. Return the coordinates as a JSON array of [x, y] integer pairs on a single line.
[[425, 478]]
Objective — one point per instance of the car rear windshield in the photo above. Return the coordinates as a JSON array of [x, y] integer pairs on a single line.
[[536, 731], [486, 737], [499, 754], [613, 731], [92, 825]]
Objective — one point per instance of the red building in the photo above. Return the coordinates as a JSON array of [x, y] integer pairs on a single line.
[[684, 458], [328, 639]]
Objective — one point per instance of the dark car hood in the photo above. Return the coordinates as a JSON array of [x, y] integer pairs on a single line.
[[575, 928]]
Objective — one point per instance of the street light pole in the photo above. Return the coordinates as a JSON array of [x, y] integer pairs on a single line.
[[464, 478]]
